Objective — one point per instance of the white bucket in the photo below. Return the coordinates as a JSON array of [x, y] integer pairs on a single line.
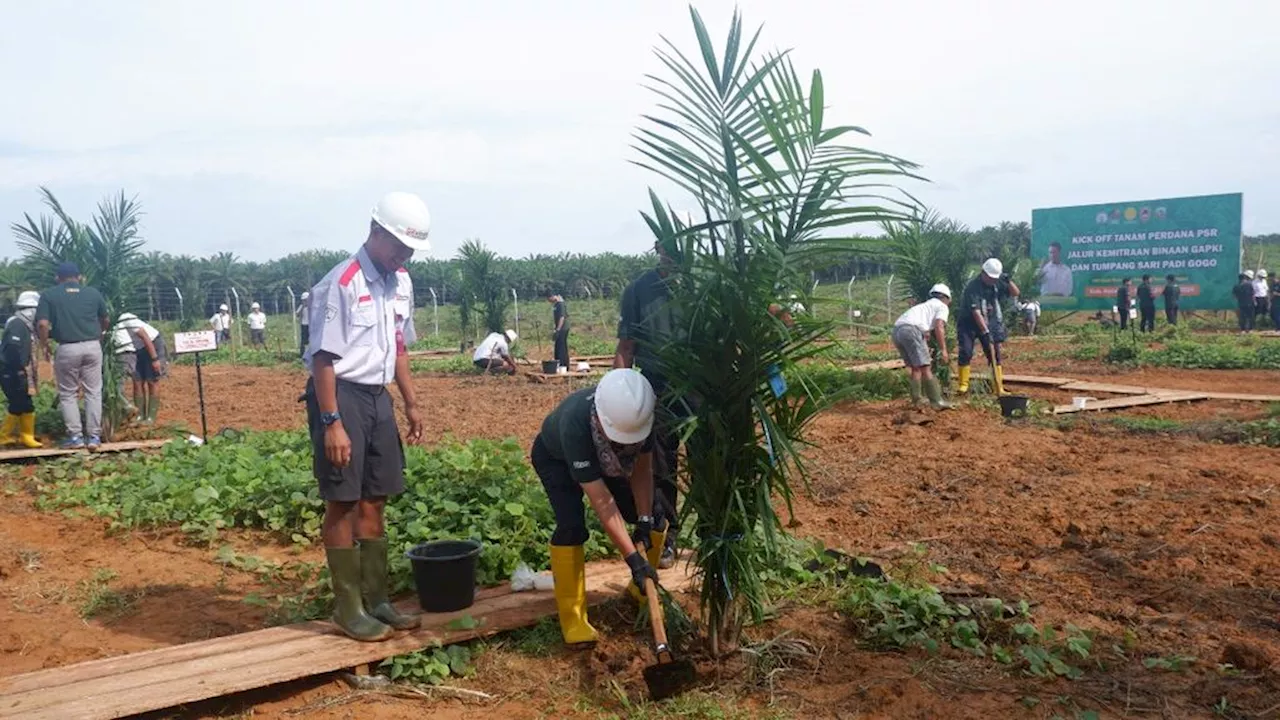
[[1079, 402], [562, 370], [584, 367]]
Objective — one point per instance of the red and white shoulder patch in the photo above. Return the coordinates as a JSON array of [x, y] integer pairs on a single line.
[[349, 274]]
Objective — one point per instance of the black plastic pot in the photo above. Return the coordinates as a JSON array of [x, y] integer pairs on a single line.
[[444, 572], [1012, 406], [549, 367]]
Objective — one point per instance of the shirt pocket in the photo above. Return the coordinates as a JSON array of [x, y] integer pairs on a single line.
[[364, 325], [402, 311]]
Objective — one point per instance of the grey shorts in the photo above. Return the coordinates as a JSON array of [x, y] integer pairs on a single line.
[[128, 364], [376, 469], [911, 345], [258, 337]]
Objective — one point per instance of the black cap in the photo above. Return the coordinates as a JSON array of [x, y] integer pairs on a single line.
[[66, 270]]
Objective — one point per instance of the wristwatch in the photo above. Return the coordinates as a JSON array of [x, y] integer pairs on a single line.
[[328, 419]]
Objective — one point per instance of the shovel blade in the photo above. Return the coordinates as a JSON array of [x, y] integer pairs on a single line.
[[669, 679]]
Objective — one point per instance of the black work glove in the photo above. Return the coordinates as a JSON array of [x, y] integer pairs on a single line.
[[641, 569], [640, 536]]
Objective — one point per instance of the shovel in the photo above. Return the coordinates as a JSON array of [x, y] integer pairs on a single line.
[[669, 677]]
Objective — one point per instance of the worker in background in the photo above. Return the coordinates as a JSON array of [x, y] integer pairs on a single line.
[[493, 354], [647, 322], [1261, 296], [599, 442], [221, 323], [75, 316], [1124, 302], [911, 334], [304, 323], [362, 311], [560, 333], [981, 319], [1146, 305], [1275, 301], [1030, 312], [257, 326], [126, 355], [15, 357], [151, 364], [1172, 297], [1243, 292]]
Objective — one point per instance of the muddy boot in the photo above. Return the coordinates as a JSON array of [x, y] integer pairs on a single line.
[[962, 386], [348, 607], [915, 392], [373, 586], [27, 427], [933, 389], [569, 571], [153, 409], [9, 431], [998, 374]]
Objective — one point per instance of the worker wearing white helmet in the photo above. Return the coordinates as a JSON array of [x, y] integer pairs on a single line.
[[599, 442], [15, 357], [493, 354], [361, 324], [221, 323], [911, 336], [981, 319], [257, 326], [1261, 295], [304, 322], [147, 347]]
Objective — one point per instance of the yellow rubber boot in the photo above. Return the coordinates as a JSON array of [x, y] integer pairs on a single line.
[[569, 571], [9, 431], [27, 425], [963, 383], [656, 541], [998, 373]]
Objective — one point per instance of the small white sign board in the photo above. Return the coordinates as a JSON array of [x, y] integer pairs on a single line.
[[192, 342]]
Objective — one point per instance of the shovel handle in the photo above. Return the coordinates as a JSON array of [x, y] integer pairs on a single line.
[[655, 613]]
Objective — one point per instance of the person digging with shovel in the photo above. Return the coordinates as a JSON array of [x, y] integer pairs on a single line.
[[599, 442], [981, 319], [910, 337]]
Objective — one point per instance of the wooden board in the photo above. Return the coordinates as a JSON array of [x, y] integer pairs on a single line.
[[1133, 401], [882, 365], [1086, 386], [1030, 379], [157, 679], [432, 353], [48, 452], [560, 377]]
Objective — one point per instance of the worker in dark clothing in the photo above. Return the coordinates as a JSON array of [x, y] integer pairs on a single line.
[[1124, 301], [1172, 296], [1146, 305], [560, 333], [980, 319], [1275, 301], [647, 323], [1243, 292], [598, 442], [15, 356], [75, 316]]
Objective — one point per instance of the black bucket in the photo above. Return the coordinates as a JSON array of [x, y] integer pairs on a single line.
[[1012, 406], [549, 367], [444, 572]]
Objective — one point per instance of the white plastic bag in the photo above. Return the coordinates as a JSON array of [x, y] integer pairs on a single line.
[[522, 578]]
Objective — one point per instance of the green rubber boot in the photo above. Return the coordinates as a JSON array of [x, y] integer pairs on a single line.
[[933, 389], [153, 409], [915, 392], [348, 608], [373, 586]]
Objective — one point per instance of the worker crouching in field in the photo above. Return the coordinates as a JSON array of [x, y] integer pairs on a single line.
[[981, 319], [362, 321], [15, 357], [493, 354], [910, 336], [599, 442]]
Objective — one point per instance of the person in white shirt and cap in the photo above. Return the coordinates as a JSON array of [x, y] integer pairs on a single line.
[[221, 322], [151, 358], [362, 321], [257, 326], [493, 354], [1261, 295], [304, 323], [911, 334]]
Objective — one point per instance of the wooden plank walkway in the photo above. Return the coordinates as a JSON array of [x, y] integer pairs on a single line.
[[1131, 401], [167, 677], [48, 452], [882, 365]]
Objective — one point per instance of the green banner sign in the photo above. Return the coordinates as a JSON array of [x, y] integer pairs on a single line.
[[1086, 251]]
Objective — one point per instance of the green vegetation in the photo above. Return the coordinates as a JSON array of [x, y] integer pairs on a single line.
[[98, 600], [431, 666]]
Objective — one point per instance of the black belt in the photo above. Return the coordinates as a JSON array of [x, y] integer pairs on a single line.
[[370, 389]]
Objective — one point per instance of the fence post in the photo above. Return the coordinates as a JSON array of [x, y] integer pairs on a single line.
[[848, 293], [435, 315], [888, 301], [182, 310], [515, 297]]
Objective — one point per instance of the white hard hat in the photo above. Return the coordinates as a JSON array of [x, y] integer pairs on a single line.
[[223, 307], [940, 289], [28, 299], [624, 405], [992, 268], [254, 306], [1248, 274], [306, 295], [405, 216], [511, 336], [1262, 273]]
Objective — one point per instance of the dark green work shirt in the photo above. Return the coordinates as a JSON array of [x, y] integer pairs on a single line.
[[15, 347], [75, 313], [1146, 298], [1244, 293], [566, 433], [1172, 293], [984, 298], [559, 311], [647, 318]]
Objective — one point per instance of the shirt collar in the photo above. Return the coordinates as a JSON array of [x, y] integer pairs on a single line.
[[369, 268]]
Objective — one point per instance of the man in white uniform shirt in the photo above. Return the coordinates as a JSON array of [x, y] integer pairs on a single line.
[[257, 326], [493, 354], [304, 323], [361, 322], [221, 322], [1055, 275], [911, 336]]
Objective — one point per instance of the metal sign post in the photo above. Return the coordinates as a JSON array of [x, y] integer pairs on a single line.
[[197, 342]]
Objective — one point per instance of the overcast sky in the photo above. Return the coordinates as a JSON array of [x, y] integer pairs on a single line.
[[267, 127]]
